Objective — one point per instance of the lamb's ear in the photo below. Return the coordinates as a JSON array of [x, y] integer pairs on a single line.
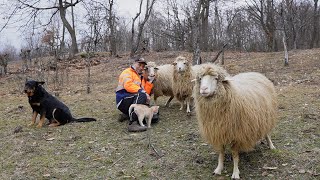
[[40, 83]]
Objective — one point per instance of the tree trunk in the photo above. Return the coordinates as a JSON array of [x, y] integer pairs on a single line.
[[88, 64], [196, 35], [74, 46], [135, 46], [205, 24], [315, 36], [286, 56], [111, 22]]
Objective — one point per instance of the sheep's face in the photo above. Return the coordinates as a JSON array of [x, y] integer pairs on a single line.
[[181, 64], [150, 71], [208, 85]]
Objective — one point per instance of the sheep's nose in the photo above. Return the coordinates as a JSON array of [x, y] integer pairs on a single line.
[[203, 88]]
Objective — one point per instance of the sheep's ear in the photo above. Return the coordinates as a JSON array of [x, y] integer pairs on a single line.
[[174, 63], [226, 80]]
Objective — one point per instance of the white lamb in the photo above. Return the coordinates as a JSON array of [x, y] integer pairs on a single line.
[[162, 85], [237, 111]]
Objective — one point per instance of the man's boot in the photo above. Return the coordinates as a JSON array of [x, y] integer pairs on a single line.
[[135, 127], [123, 117], [155, 118]]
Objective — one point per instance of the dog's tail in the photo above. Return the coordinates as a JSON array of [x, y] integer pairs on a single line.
[[83, 120], [131, 108]]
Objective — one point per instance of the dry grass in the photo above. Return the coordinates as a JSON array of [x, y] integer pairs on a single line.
[[105, 150]]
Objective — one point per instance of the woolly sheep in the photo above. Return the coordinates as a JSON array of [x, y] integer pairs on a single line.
[[236, 111], [162, 86], [182, 77]]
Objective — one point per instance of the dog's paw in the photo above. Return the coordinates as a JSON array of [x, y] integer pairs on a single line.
[[39, 125]]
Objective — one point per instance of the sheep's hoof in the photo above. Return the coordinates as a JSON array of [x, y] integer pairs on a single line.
[[217, 172], [235, 176]]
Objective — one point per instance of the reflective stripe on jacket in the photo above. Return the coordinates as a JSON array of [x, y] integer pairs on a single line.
[[129, 80]]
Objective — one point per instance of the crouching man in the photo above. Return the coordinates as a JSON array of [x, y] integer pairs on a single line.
[[134, 88]]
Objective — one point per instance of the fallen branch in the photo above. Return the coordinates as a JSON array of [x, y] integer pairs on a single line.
[[216, 57]]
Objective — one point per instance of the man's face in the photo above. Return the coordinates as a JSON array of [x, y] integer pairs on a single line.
[[140, 67]]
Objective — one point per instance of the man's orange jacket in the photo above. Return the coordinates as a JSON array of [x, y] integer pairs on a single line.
[[130, 83]]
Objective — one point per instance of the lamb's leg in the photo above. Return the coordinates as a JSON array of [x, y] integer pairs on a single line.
[[219, 168], [235, 156], [168, 101], [140, 119], [149, 120], [188, 106], [181, 105], [268, 138]]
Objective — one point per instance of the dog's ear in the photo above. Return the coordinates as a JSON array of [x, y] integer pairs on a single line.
[[40, 83]]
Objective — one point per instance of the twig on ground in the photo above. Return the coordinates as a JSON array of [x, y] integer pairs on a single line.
[[150, 144], [116, 161]]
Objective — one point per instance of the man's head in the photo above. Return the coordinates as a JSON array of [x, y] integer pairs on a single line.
[[139, 64]]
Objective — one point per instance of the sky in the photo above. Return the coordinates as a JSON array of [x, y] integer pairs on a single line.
[[11, 35]]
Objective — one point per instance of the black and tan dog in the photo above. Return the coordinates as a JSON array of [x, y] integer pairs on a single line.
[[48, 106]]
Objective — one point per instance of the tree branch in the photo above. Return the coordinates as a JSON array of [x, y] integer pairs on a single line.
[[216, 57]]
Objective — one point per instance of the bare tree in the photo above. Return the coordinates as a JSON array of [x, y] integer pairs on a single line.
[[95, 19], [135, 44], [262, 12], [4, 59], [32, 11], [112, 35], [204, 16], [315, 33], [196, 33], [62, 9], [289, 12]]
